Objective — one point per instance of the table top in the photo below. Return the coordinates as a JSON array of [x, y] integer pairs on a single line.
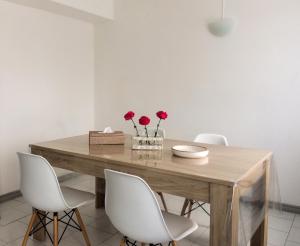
[[226, 165]]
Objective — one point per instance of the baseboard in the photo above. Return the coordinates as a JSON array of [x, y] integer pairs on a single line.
[[10, 196], [17, 193], [68, 177], [290, 208]]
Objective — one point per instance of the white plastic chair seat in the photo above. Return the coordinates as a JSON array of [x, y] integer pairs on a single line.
[[76, 198], [210, 138], [41, 189], [134, 211], [179, 226]]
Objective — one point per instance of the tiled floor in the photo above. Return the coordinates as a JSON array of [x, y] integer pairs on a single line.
[[284, 228]]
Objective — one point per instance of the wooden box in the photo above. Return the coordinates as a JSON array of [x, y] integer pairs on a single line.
[[97, 137]]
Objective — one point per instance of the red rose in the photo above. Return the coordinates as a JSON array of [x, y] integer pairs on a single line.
[[144, 121], [162, 115], [129, 115]]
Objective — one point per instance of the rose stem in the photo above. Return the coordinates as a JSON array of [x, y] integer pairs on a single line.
[[146, 131], [137, 132], [157, 128]]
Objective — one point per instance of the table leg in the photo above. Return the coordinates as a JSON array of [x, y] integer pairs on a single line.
[[40, 235], [100, 192], [223, 221], [260, 237]]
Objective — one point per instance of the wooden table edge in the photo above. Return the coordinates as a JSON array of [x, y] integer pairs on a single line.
[[104, 160]]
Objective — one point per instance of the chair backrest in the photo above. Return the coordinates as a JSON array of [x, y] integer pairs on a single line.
[[39, 184], [133, 209], [211, 139]]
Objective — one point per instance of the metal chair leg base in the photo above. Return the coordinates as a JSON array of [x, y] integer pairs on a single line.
[[190, 203], [42, 224], [126, 242]]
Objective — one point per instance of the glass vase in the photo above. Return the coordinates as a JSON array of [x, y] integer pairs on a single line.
[[147, 143]]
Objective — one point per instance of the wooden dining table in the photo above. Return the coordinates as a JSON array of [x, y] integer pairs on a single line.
[[214, 179]]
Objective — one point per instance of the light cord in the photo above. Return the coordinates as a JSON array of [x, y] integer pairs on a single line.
[[223, 9]]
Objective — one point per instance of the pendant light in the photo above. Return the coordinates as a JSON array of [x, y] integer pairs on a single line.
[[221, 26]]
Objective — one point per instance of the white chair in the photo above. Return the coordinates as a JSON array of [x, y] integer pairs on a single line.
[[133, 209], [40, 188], [206, 138], [210, 138]]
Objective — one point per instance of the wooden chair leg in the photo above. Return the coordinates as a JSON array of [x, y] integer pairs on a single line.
[[39, 235], [185, 204], [190, 208], [163, 200], [55, 229], [123, 242], [29, 229], [83, 228], [173, 243]]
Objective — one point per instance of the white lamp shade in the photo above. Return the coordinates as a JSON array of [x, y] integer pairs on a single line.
[[221, 27]]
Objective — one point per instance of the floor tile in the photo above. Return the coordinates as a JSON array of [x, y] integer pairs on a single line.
[[114, 240], [201, 217], [280, 224], [96, 237], [85, 186], [281, 214], [174, 203], [12, 231], [26, 208], [277, 238], [103, 224], [292, 244], [200, 236], [296, 221], [82, 179], [20, 199], [294, 235], [10, 215], [184, 242], [91, 211], [30, 242], [9, 204], [25, 219]]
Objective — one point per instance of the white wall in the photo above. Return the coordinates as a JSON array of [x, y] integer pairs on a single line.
[[46, 82], [159, 55], [87, 10], [97, 7]]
